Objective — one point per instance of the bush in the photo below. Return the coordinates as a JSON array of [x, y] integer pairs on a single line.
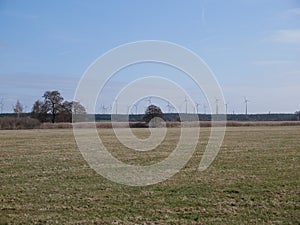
[[12, 123]]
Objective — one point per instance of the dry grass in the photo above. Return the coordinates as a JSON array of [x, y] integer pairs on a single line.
[[254, 180], [13, 123], [103, 125]]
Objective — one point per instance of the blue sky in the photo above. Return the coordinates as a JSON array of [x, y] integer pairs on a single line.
[[252, 46]]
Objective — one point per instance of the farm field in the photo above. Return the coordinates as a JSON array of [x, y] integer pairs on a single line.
[[255, 179]]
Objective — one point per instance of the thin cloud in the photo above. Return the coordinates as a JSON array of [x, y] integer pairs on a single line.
[[287, 36]]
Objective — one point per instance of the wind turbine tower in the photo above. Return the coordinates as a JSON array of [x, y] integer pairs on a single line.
[[246, 104], [116, 104], [170, 107], [226, 107], [185, 100], [197, 107], [217, 106]]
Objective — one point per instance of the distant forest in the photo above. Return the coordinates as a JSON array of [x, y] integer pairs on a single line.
[[53, 108], [175, 116]]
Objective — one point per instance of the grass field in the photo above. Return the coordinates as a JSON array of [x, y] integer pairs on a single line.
[[255, 179]]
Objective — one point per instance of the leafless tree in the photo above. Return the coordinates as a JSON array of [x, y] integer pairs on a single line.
[[18, 109], [39, 111]]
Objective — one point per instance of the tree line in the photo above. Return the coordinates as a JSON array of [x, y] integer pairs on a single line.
[[54, 109]]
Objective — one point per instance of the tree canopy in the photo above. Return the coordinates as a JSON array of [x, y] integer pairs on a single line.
[[54, 109], [52, 102], [152, 112]]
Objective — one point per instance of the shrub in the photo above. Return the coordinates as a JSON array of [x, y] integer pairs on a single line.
[[12, 123]]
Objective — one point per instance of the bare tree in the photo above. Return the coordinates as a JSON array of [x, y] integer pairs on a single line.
[[18, 109], [78, 108], [39, 111], [79, 112]]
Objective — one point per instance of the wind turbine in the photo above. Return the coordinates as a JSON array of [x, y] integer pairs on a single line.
[[197, 107], [104, 109], [226, 107], [170, 107], [246, 103], [116, 104], [185, 100], [217, 106]]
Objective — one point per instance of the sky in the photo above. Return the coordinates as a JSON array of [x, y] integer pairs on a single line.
[[252, 47]]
